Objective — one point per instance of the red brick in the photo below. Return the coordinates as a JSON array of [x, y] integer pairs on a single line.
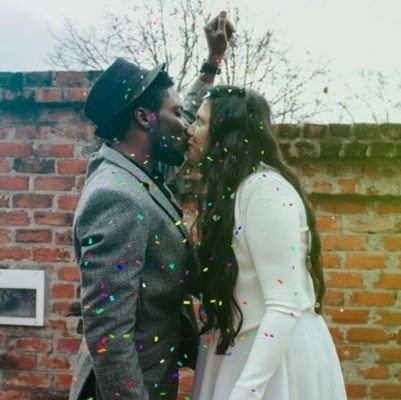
[[17, 361], [392, 243], [14, 253], [41, 345], [53, 218], [344, 206], [186, 384], [14, 395], [32, 132], [386, 391], [336, 334], [21, 380], [372, 299], [33, 236], [356, 391], [10, 117], [344, 242], [54, 363], [4, 166], [15, 149], [388, 318], [80, 183], [347, 186], [375, 372], [389, 354], [344, 280], [69, 274], [5, 236], [54, 183], [333, 298], [347, 316], [388, 207], [63, 381], [330, 260], [49, 95], [57, 115], [328, 224], [62, 291], [70, 78], [71, 167], [368, 223], [68, 202], [61, 308], [365, 261], [77, 95], [32, 201], [388, 281], [322, 187], [54, 150], [4, 201], [76, 131], [346, 352], [3, 131], [64, 238], [70, 345], [13, 218], [14, 182], [58, 325], [368, 335], [33, 166], [51, 255]]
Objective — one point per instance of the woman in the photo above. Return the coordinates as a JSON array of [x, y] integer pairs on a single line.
[[258, 251]]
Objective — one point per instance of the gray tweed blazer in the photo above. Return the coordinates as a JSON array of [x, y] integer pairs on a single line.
[[132, 250]]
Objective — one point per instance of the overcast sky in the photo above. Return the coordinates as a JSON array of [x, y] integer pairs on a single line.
[[349, 34]]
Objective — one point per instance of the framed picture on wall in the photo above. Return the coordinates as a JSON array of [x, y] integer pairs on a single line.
[[22, 297]]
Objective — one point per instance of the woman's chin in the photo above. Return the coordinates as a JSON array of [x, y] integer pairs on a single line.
[[192, 158]]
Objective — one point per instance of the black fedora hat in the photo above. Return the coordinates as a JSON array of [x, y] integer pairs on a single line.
[[114, 91]]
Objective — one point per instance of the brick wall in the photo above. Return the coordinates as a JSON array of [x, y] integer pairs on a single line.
[[351, 173]]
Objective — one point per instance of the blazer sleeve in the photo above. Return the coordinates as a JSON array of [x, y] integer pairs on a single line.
[[272, 230], [110, 233]]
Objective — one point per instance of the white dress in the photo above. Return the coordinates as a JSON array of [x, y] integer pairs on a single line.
[[284, 350]]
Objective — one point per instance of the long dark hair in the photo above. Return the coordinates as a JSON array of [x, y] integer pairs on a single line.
[[240, 137]]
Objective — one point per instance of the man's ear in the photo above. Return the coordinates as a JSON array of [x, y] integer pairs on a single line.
[[142, 117]]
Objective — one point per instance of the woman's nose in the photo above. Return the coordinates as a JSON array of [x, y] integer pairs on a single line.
[[190, 130]]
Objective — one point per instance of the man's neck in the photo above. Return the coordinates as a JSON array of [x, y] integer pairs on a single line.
[[139, 151]]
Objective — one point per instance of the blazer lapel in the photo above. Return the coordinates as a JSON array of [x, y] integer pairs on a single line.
[[155, 193]]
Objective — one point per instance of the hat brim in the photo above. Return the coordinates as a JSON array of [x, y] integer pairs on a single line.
[[105, 130]]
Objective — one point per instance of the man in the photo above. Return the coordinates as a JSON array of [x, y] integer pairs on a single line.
[[129, 239]]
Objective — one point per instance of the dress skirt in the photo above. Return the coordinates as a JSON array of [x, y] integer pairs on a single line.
[[310, 369]]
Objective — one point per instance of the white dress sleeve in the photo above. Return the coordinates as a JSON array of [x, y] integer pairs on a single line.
[[271, 223]]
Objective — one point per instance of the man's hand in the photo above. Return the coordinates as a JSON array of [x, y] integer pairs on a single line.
[[218, 33]]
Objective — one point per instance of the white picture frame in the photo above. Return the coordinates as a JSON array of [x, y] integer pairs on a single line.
[[22, 297]]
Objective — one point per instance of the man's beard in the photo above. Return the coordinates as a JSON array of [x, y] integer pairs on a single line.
[[168, 155]]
